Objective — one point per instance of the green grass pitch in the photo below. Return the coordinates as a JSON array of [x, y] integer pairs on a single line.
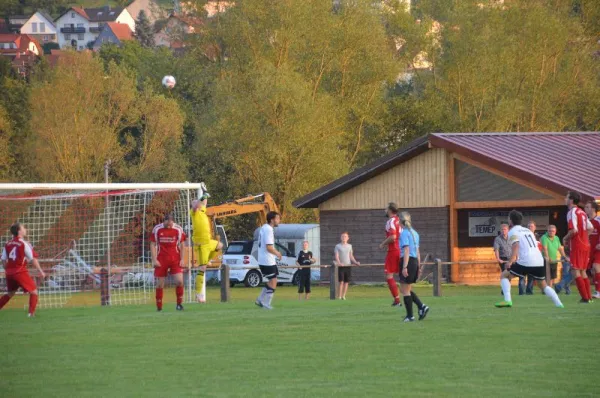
[[354, 348]]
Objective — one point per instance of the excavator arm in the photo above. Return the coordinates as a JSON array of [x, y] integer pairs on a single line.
[[261, 204]]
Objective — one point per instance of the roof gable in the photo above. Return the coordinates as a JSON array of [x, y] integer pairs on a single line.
[[120, 30], [77, 10], [554, 161]]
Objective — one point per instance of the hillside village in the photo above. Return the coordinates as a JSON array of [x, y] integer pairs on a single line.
[[25, 39]]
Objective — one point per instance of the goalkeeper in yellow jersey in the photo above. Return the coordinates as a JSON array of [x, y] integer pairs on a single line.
[[205, 248]]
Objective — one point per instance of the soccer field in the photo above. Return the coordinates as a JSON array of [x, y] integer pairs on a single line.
[[359, 347]]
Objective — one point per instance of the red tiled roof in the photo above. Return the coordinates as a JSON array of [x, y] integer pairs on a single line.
[[121, 31], [190, 21], [78, 10], [556, 161], [81, 12], [21, 42]]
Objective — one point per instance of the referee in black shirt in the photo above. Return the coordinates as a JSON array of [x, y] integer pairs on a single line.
[[305, 257]]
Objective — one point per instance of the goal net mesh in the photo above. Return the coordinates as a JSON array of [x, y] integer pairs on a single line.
[[94, 245]]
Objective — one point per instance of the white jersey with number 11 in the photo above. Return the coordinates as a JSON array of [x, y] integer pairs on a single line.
[[529, 253]]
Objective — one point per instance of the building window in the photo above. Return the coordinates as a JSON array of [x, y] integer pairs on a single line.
[[45, 38], [80, 25], [72, 15], [81, 47], [34, 27], [80, 36], [42, 27], [67, 37]]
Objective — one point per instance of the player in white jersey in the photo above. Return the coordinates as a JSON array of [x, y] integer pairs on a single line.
[[526, 260], [266, 259]]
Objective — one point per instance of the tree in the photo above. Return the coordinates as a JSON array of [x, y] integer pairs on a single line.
[[48, 47], [295, 89], [5, 135], [143, 30], [139, 132]]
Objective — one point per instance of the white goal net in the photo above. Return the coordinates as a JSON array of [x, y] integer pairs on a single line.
[[92, 240]]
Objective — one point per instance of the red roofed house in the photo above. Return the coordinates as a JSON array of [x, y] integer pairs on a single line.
[[458, 189], [79, 28], [115, 33], [23, 50]]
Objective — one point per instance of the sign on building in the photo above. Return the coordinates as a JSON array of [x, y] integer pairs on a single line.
[[487, 223]]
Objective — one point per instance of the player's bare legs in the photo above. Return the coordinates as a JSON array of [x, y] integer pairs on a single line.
[[505, 283]]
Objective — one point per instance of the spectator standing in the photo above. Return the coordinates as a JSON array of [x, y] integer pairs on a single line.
[[305, 258], [344, 258], [567, 277], [551, 248], [502, 250]]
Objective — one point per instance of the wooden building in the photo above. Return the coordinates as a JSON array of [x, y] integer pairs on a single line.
[[458, 188]]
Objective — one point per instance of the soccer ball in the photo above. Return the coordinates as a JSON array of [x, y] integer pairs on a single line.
[[168, 81]]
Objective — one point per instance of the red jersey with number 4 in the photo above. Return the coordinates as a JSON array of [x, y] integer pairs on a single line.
[[167, 240], [578, 223], [595, 235], [392, 227], [16, 254]]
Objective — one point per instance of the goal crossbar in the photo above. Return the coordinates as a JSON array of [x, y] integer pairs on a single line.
[[99, 186]]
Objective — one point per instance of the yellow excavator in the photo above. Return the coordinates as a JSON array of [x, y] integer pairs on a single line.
[[260, 204]]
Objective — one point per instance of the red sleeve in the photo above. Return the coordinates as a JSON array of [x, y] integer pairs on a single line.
[[183, 236]]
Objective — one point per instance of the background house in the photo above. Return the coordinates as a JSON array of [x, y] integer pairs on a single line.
[[22, 50], [78, 27], [41, 27], [16, 22], [175, 30], [115, 33], [152, 10], [458, 188]]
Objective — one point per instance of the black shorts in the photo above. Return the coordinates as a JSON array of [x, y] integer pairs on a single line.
[[413, 271], [553, 270], [345, 274], [304, 280], [538, 273], [502, 265], [269, 271]]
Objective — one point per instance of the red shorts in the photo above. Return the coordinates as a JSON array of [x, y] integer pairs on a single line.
[[20, 280], [580, 258], [392, 262], [167, 266], [595, 257]]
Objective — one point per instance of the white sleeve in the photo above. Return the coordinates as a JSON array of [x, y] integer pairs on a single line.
[[4, 256], [28, 252], [589, 225], [270, 238]]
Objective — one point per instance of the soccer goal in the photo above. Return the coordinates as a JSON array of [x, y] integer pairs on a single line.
[[92, 240]]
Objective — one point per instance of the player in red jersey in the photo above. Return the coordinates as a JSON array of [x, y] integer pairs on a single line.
[[15, 256], [577, 238], [166, 247], [392, 259], [591, 209]]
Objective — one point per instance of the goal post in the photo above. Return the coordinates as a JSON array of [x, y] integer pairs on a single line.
[[92, 240]]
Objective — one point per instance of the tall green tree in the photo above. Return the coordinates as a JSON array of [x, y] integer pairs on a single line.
[[139, 131], [144, 32]]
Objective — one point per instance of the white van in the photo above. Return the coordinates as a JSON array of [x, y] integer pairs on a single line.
[[243, 254]]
